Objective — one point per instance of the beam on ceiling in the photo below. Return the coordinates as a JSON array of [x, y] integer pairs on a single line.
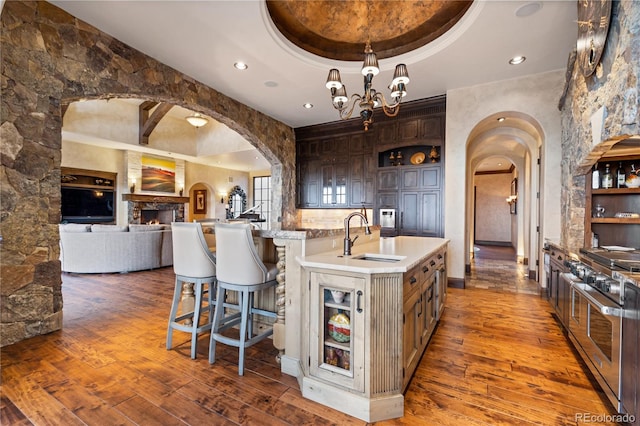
[[147, 121]]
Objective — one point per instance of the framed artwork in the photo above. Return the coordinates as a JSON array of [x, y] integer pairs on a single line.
[[200, 206], [158, 174]]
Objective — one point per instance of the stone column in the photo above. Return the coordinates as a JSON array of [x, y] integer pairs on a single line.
[[279, 325]]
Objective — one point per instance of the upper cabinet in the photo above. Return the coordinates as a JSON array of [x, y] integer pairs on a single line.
[[339, 165]]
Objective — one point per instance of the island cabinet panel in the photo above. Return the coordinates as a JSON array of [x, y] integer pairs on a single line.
[[338, 312], [369, 322], [411, 324]]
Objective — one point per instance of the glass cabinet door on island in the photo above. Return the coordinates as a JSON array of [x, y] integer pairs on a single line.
[[337, 317]]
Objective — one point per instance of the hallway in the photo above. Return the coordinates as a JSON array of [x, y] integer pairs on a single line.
[[495, 268], [495, 358]]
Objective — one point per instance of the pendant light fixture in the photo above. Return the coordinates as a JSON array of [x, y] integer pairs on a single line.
[[197, 120]]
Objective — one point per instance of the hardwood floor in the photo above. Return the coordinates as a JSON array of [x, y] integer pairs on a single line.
[[495, 268], [496, 358]]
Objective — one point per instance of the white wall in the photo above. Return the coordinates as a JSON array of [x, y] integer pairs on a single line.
[[216, 180], [535, 95], [493, 220], [91, 157], [219, 182]]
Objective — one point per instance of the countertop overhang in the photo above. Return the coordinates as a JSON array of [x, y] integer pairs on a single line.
[[411, 249]]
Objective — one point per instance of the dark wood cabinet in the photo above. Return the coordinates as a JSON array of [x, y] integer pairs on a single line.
[[309, 184], [334, 184], [341, 166], [362, 172], [617, 226], [416, 193], [388, 179], [419, 213]]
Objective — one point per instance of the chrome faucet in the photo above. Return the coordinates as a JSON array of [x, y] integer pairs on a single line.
[[347, 241]]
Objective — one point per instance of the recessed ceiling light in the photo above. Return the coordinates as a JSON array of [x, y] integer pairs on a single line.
[[517, 60], [270, 83], [501, 119], [528, 9], [241, 65], [308, 105], [499, 164]]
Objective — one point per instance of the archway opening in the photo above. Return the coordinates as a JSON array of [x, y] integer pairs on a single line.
[[502, 186]]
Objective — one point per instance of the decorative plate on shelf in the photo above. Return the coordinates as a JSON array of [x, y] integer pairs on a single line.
[[340, 328], [417, 158]]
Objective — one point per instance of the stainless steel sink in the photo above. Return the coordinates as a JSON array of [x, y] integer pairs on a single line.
[[373, 257]]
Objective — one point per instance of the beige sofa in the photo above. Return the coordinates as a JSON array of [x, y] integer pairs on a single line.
[[111, 248]]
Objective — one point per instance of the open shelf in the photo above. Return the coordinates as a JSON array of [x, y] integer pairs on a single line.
[[620, 220]]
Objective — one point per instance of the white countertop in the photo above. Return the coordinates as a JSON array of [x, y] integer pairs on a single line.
[[409, 250]]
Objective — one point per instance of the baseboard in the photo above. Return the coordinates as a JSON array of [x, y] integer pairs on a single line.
[[493, 243], [455, 282]]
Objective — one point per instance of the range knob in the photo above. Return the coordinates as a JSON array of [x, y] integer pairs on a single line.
[[601, 282], [613, 286]]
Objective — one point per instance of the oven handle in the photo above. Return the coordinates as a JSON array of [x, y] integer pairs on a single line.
[[612, 311]]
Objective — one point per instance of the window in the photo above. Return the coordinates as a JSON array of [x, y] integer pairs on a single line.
[[262, 196]]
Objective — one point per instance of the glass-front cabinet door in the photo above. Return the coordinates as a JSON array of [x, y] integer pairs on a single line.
[[337, 340]]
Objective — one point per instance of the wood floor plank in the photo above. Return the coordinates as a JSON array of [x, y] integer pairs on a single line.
[[230, 408], [87, 406], [142, 412], [35, 403], [495, 358], [10, 414]]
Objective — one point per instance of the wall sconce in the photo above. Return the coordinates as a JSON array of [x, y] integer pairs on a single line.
[[181, 190], [222, 195], [512, 199], [132, 188]]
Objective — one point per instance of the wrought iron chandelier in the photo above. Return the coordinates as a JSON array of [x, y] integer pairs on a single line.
[[371, 97]]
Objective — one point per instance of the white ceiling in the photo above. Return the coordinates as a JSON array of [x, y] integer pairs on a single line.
[[203, 39]]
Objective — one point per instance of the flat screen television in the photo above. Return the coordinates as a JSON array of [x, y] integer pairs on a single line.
[[83, 205]]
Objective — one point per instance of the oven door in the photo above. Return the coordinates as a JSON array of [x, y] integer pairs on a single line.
[[595, 325]]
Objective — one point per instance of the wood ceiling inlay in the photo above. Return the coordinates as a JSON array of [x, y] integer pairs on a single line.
[[339, 29]]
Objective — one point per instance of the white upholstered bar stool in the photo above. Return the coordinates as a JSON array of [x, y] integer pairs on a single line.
[[192, 263], [239, 269]]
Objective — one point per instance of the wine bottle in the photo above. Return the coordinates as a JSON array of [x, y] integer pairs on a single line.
[[621, 176], [607, 178], [595, 177]]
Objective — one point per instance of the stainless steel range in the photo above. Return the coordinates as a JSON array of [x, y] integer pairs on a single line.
[[598, 283]]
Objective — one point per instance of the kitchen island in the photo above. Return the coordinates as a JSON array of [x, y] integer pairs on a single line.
[[367, 319]]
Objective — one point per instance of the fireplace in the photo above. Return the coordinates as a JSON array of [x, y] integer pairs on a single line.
[[152, 216], [144, 209]]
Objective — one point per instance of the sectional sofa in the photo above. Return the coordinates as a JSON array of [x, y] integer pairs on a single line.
[[112, 248]]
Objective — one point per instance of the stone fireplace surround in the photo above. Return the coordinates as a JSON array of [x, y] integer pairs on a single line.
[[164, 209]]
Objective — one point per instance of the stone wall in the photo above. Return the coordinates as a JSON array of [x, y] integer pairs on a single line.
[[614, 86], [49, 59]]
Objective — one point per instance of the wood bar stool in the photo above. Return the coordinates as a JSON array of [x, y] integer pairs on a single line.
[[240, 269], [195, 269]]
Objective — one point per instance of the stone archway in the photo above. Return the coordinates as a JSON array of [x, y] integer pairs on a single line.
[[49, 59]]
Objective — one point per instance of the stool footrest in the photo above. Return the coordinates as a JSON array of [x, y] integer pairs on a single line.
[[235, 342]]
